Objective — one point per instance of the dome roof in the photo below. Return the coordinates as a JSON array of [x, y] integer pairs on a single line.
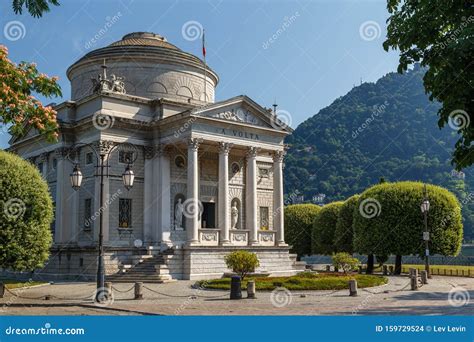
[[144, 39]]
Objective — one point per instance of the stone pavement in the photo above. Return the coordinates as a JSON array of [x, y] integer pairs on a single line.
[[443, 295]]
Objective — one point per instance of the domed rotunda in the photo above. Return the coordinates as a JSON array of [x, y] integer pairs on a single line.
[[208, 175]]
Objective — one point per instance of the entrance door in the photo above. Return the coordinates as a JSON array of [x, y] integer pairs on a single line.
[[209, 215]]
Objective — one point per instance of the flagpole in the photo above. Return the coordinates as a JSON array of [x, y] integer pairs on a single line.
[[205, 66]]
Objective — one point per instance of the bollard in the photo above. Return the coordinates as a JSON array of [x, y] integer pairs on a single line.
[[2, 289], [414, 278], [235, 288], [352, 287], [47, 297], [360, 269], [328, 268], [138, 290], [385, 270], [390, 269], [424, 277], [251, 289], [108, 286]]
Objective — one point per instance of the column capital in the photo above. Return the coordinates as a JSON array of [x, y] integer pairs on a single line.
[[104, 146], [62, 152], [278, 156], [193, 143], [149, 152], [43, 156], [225, 147], [252, 152]]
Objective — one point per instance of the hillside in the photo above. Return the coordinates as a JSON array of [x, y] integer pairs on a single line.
[[385, 129]]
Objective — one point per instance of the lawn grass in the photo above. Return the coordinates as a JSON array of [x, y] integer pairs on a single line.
[[15, 284], [301, 281], [448, 270]]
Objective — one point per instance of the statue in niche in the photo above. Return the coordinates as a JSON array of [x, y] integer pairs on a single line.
[[234, 215], [178, 215]]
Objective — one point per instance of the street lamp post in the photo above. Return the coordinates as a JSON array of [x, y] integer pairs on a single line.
[[76, 181], [425, 208]]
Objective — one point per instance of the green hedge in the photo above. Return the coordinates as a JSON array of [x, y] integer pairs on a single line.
[[395, 226], [324, 227], [26, 212], [298, 226], [343, 236]]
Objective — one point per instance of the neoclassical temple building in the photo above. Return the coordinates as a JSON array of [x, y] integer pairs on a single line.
[[208, 175]]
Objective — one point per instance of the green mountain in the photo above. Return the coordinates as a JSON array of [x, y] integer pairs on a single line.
[[385, 129]]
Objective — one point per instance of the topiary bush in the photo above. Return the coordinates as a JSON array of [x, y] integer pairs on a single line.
[[344, 231], [388, 220], [324, 226], [242, 262], [26, 213], [298, 226], [344, 261]]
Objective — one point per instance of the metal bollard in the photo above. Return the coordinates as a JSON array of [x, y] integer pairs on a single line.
[[251, 289], [352, 287], [2, 289], [424, 277], [360, 269], [328, 268], [138, 290], [385, 269], [390, 269], [108, 286], [235, 288], [414, 279]]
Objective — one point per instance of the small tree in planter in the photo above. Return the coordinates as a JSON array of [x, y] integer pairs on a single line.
[[242, 262], [344, 261]]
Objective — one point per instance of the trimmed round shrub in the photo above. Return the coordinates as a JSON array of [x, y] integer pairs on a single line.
[[324, 227], [298, 226], [344, 230], [388, 220], [26, 213], [242, 262]]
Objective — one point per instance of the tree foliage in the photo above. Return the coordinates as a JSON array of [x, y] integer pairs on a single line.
[[384, 129], [324, 226], [298, 226], [242, 262], [18, 106], [36, 8], [344, 261], [398, 226], [344, 231], [26, 213], [439, 35]]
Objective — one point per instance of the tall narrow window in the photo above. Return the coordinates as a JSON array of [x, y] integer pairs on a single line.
[[264, 223], [89, 158], [125, 213], [87, 213]]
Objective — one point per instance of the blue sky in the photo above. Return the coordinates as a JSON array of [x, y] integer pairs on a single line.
[[304, 54]]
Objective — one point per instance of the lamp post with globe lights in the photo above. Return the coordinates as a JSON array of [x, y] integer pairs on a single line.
[[102, 167], [425, 208]]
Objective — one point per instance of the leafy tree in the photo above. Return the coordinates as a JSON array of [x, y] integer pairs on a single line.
[[345, 261], [398, 227], [344, 231], [324, 227], [298, 225], [439, 35], [18, 106], [36, 8], [242, 262], [26, 213]]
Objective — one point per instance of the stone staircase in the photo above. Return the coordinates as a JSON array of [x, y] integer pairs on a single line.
[[146, 269], [298, 265]]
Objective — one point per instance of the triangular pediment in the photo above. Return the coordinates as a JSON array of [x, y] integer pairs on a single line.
[[242, 110]]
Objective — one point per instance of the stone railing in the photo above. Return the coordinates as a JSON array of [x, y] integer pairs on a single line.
[[209, 236], [266, 237], [239, 237]]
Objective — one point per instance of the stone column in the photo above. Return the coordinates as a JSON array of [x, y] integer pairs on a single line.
[[63, 193], [104, 148], [223, 195], [162, 173], [44, 159], [191, 207], [148, 204], [251, 195], [278, 205]]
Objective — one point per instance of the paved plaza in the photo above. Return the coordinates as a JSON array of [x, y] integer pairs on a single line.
[[443, 295]]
